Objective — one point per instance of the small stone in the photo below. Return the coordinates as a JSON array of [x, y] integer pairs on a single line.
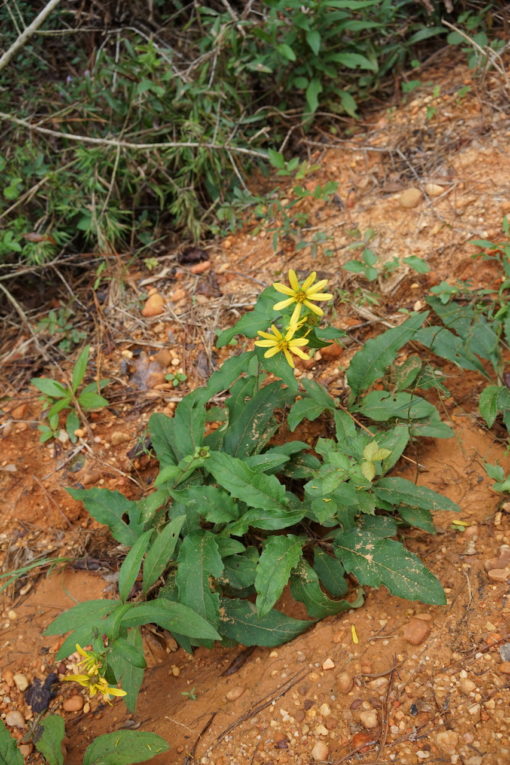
[[360, 741], [504, 652], [417, 631], [175, 670], [14, 719], [178, 294], [447, 741], [477, 759], [345, 682], [154, 305], [19, 412], [86, 708], [325, 710], [502, 561], [410, 198], [73, 703], [466, 686], [433, 189], [369, 719], [201, 268], [79, 432], [8, 677], [20, 681], [118, 437], [320, 751], [321, 730], [378, 684], [331, 352], [26, 749], [499, 574], [474, 711], [504, 667], [235, 693], [328, 664], [163, 358]]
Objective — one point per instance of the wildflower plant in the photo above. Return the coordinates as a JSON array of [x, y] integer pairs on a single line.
[[235, 516]]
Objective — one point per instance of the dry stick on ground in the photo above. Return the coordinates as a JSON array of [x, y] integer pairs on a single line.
[[27, 33]]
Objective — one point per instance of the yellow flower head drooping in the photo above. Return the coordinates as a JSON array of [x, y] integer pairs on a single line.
[[277, 342], [304, 294], [92, 678]]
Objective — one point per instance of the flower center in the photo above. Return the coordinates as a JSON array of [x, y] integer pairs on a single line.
[[300, 296]]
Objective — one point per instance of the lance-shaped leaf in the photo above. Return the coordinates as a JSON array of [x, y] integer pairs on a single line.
[[161, 552], [305, 587], [241, 622], [253, 487], [399, 491], [48, 739], [124, 747], [132, 564], [110, 508], [127, 661], [279, 556], [375, 561], [171, 616], [198, 563], [252, 425]]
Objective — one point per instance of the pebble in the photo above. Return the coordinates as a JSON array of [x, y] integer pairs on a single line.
[[154, 305], [320, 751], [345, 682], [201, 268], [26, 749], [504, 667], [499, 574], [8, 677], [466, 686], [325, 710], [20, 681], [331, 352], [417, 631], [502, 560], [235, 693], [178, 294], [433, 189], [504, 652], [369, 719], [73, 703], [118, 437], [410, 197], [19, 412], [328, 664], [447, 741], [379, 684], [15, 719]]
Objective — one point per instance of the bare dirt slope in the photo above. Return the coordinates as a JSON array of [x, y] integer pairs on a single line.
[[393, 681]]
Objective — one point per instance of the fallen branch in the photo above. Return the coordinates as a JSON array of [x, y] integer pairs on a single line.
[[27, 33]]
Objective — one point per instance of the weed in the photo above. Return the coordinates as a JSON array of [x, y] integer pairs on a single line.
[[59, 323], [73, 399]]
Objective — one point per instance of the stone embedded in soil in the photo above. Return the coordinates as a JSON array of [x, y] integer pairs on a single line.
[[410, 198], [8, 677], [235, 693], [201, 268], [331, 352], [345, 682], [73, 703], [118, 437], [502, 560], [447, 741], [20, 681], [433, 189], [320, 751], [499, 574], [26, 749], [504, 652], [328, 664], [368, 718], [14, 719], [154, 305], [417, 631], [466, 685], [178, 294], [504, 667]]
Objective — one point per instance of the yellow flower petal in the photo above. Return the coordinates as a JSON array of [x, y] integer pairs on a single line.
[[271, 352], [116, 691], [283, 288], [288, 357], [283, 304], [300, 353], [294, 319], [264, 343], [319, 296], [293, 280], [298, 341], [81, 679], [317, 286], [308, 281], [314, 308]]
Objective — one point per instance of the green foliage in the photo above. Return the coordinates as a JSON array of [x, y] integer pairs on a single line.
[[58, 323], [71, 399], [9, 752]]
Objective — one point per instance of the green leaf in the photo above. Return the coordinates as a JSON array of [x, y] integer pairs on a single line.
[[48, 739], [209, 502], [399, 491], [89, 612], [174, 617], [132, 564], [261, 317], [417, 264], [495, 472], [312, 93], [279, 556], [382, 406], [418, 517], [160, 552], [124, 747], [229, 371], [489, 404], [279, 367], [252, 487], [198, 564], [90, 399], [313, 39], [331, 572], [242, 623], [9, 752], [127, 662], [255, 423], [110, 507], [378, 353], [354, 61], [269, 519], [376, 561], [378, 525], [304, 409], [49, 387], [444, 343], [348, 102], [158, 430], [240, 569], [305, 587], [72, 424], [80, 368], [287, 52]]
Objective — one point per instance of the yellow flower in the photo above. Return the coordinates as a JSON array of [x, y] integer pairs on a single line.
[[287, 344], [303, 294], [92, 678]]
